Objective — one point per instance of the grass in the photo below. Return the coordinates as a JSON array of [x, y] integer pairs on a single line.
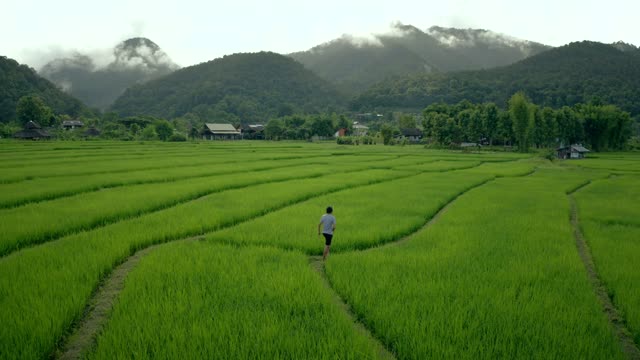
[[205, 301], [497, 276], [608, 213], [366, 217], [30, 279]]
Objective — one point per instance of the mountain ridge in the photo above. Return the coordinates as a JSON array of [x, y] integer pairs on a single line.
[[235, 88], [354, 64], [133, 61], [567, 75]]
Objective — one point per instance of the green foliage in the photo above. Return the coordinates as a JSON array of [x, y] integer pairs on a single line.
[[386, 131], [177, 137], [149, 133], [164, 129], [239, 88], [564, 76], [521, 112], [527, 124], [7, 130], [32, 108], [18, 80]]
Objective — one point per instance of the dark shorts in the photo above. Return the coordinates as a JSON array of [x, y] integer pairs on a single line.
[[327, 239]]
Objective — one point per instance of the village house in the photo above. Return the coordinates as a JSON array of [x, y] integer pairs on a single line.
[[220, 132], [252, 132], [575, 151], [32, 131], [340, 133], [413, 135], [360, 130], [72, 124]]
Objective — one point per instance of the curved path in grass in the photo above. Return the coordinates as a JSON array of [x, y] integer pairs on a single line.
[[83, 336], [629, 347]]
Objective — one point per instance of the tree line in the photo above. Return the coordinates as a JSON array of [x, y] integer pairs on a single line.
[[525, 124]]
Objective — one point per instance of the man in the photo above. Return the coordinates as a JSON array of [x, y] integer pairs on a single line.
[[327, 225]]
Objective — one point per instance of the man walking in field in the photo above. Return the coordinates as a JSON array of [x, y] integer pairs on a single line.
[[327, 225]]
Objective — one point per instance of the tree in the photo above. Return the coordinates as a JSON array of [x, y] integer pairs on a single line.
[[570, 130], [149, 133], [490, 119], [32, 108], [274, 129], [164, 129], [521, 114], [387, 133], [407, 121]]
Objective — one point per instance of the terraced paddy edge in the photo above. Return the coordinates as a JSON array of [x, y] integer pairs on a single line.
[[367, 216], [608, 222], [617, 321], [228, 303], [477, 283], [30, 279], [38, 223], [317, 264], [44, 189], [109, 167], [77, 344], [102, 314]]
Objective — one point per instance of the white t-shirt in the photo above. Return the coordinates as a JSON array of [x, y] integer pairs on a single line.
[[327, 221]]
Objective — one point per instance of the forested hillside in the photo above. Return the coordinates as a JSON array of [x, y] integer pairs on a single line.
[[237, 88], [354, 64], [18, 80], [576, 73]]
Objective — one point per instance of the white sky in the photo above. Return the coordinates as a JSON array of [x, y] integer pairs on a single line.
[[194, 31]]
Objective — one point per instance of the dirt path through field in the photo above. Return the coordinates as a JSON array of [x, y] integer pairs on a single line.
[[83, 336], [625, 338], [96, 313], [318, 266]]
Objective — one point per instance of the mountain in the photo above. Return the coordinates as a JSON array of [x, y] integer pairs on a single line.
[[18, 80], [574, 73], [355, 64], [248, 87], [131, 62]]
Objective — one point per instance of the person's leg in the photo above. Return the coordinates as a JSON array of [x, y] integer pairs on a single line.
[[326, 252], [327, 245]]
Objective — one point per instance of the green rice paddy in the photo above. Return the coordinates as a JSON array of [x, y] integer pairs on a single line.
[[437, 254]]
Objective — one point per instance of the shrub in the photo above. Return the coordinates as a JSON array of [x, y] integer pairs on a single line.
[[177, 137]]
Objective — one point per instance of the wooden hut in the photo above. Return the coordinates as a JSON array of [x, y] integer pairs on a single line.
[[220, 132], [32, 131], [575, 151], [91, 132], [412, 134], [72, 124]]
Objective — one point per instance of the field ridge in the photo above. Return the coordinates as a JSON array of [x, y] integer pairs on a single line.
[[53, 236], [629, 347], [317, 264], [74, 192], [83, 335]]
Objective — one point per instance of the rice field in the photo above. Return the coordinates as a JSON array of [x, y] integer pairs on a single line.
[[437, 254]]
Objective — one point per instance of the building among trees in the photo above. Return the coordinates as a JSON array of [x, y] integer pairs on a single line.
[[220, 132], [32, 131], [72, 124], [575, 151]]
